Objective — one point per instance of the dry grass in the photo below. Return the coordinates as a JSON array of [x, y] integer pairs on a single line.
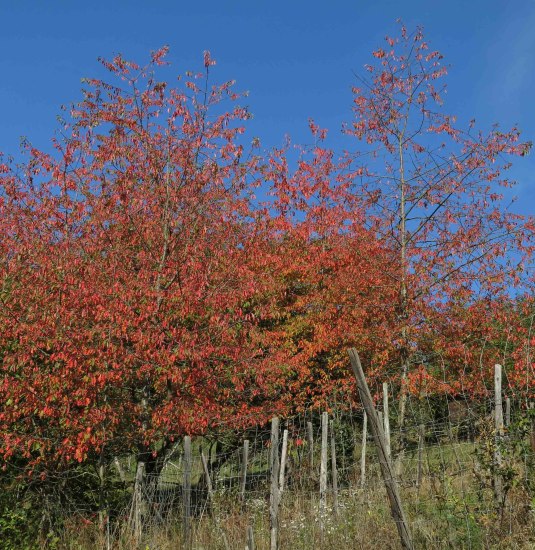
[[438, 521], [451, 509]]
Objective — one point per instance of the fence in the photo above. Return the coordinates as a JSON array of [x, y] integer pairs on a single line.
[[457, 474]]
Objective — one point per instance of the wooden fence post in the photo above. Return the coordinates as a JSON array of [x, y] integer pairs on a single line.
[[381, 419], [508, 412], [323, 465], [250, 538], [245, 458], [386, 419], [310, 444], [284, 454], [498, 424], [421, 437], [384, 460], [363, 450], [498, 404], [274, 494], [119, 469], [186, 491], [102, 509], [211, 500], [136, 514], [334, 470], [207, 476]]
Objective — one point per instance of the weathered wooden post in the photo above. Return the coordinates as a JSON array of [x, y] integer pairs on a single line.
[[274, 498], [334, 470], [498, 424], [102, 508], [507, 412], [396, 507], [310, 444], [381, 418], [284, 454], [211, 500], [250, 538], [119, 469], [498, 404], [245, 458], [386, 419], [208, 478], [421, 438], [103, 513], [186, 491], [323, 465], [136, 515], [363, 450]]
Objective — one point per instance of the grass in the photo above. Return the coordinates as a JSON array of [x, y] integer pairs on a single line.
[[448, 510], [453, 506]]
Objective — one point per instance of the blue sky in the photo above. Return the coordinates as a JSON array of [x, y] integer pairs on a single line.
[[296, 58]]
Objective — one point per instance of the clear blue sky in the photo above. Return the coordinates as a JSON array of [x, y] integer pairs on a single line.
[[295, 57]]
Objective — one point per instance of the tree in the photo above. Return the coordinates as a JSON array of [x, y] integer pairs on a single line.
[[435, 195], [127, 276], [331, 272]]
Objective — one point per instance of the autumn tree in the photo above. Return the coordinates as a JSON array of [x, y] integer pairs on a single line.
[[436, 195], [405, 247], [127, 276], [146, 293], [331, 270]]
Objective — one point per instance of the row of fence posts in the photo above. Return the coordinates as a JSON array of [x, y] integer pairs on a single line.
[[379, 424], [277, 465], [380, 427], [277, 469]]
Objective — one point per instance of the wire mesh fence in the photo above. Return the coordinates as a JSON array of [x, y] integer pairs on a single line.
[[462, 482], [462, 466]]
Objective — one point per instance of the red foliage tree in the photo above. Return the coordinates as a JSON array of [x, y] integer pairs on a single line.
[[406, 247], [126, 277], [331, 272], [146, 294], [434, 196]]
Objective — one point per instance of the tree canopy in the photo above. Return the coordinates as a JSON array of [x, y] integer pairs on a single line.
[[162, 275]]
